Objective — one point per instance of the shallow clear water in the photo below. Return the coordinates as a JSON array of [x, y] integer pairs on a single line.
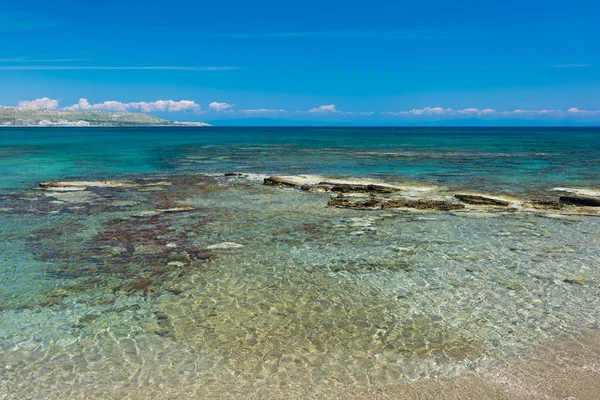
[[98, 300]]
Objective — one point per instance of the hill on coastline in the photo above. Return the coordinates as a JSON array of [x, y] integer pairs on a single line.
[[14, 116]]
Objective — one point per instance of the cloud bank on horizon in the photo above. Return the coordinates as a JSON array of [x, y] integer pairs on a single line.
[[43, 103], [142, 106], [190, 106]]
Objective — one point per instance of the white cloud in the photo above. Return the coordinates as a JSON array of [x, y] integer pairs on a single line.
[[170, 105], [476, 111], [530, 113], [469, 111], [361, 113], [571, 65], [83, 104], [431, 111], [577, 111], [154, 106], [445, 111], [324, 109], [218, 107], [423, 111], [473, 112], [262, 111], [43, 103]]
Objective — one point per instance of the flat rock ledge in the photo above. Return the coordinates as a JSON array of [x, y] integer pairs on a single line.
[[366, 188], [291, 181], [82, 185], [373, 194], [545, 203], [481, 200], [314, 183], [580, 201], [373, 203], [578, 197]]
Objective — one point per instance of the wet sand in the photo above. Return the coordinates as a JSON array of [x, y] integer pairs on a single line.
[[566, 369]]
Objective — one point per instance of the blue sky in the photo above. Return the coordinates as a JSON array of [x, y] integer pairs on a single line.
[[312, 62]]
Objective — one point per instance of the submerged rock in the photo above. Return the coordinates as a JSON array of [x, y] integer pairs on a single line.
[[317, 188], [145, 214], [423, 205], [176, 210], [363, 188], [513, 286], [176, 264], [225, 246], [83, 184], [293, 181], [201, 255], [579, 280], [481, 200], [70, 196], [354, 203], [581, 201], [569, 218], [546, 203], [65, 189]]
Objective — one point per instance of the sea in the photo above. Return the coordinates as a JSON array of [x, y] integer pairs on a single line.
[[171, 270]]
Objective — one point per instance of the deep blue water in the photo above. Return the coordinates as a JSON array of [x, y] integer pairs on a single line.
[[501, 159]]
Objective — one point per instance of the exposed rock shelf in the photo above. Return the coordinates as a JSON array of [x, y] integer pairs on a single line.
[[82, 185], [481, 200], [374, 194], [358, 193], [395, 203], [583, 201]]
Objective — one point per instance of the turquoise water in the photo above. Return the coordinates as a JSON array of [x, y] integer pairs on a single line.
[[103, 296], [504, 159]]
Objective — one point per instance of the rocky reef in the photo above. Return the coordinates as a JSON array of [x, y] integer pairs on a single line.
[[150, 233], [394, 203], [373, 194], [146, 240]]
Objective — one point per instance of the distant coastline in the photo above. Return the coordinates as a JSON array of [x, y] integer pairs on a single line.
[[168, 124], [22, 117]]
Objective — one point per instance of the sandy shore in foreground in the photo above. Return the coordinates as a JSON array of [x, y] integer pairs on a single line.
[[566, 369]]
